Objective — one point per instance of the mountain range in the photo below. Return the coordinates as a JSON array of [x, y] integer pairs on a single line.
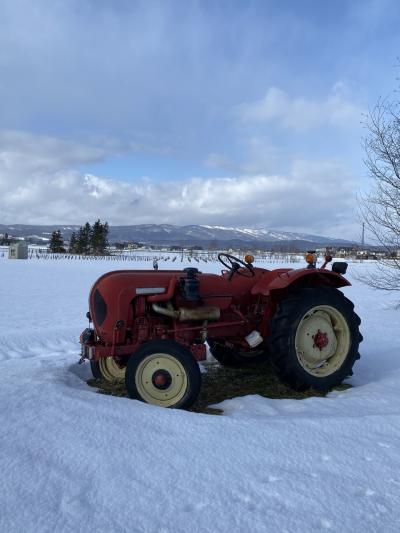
[[190, 235]]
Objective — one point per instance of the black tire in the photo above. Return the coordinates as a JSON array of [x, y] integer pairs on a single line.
[[290, 317], [95, 368], [179, 390], [227, 356]]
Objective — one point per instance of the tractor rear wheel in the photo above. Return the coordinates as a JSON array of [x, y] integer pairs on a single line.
[[228, 356], [314, 338], [164, 373]]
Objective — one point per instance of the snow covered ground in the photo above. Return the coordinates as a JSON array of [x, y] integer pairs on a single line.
[[74, 460]]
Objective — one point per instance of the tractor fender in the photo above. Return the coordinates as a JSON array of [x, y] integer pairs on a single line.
[[305, 277]]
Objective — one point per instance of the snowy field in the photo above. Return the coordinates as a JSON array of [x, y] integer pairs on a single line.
[[76, 461]]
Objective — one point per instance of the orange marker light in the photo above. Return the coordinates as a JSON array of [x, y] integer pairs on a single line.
[[249, 258]]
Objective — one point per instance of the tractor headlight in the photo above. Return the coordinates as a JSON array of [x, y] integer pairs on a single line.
[[339, 267], [87, 336]]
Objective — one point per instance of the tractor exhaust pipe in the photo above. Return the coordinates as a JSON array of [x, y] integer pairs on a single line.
[[167, 311], [183, 315]]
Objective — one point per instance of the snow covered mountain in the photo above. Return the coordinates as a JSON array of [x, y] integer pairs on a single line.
[[204, 235]]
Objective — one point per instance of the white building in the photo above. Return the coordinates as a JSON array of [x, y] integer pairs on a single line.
[[18, 250]]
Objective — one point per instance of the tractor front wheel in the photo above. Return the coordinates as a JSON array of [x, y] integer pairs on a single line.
[[107, 368], [163, 373], [314, 338], [95, 368]]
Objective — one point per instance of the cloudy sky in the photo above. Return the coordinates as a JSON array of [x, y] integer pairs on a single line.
[[228, 112]]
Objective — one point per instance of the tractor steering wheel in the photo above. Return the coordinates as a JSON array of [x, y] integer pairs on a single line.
[[234, 264]]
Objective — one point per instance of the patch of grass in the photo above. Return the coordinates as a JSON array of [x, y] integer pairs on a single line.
[[222, 383], [115, 388]]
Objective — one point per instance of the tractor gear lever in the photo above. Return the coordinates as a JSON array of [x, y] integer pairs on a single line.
[[235, 267]]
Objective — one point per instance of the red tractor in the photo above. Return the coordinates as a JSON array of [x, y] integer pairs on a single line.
[[151, 326]]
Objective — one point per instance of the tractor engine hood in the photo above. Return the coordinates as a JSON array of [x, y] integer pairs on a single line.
[[112, 294]]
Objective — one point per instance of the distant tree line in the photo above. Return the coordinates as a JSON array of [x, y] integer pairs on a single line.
[[89, 240]]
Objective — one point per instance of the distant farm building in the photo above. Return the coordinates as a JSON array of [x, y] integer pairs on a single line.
[[18, 250]]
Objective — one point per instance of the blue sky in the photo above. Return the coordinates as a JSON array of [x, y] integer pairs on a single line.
[[212, 112]]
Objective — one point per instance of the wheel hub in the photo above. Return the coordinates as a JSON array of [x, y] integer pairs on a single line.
[[322, 340], [315, 339], [161, 379]]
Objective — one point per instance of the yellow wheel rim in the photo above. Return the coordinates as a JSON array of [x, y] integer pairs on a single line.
[[110, 370], [322, 340], [161, 379]]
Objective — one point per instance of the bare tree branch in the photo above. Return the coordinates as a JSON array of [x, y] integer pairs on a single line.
[[380, 209]]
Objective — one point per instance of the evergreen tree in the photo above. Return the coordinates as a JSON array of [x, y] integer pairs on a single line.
[[99, 238], [56, 245], [88, 232], [95, 243], [90, 239], [104, 238], [79, 242], [84, 239], [73, 243]]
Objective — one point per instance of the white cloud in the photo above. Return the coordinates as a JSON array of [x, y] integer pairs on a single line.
[[39, 185], [24, 154], [301, 113], [257, 156]]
